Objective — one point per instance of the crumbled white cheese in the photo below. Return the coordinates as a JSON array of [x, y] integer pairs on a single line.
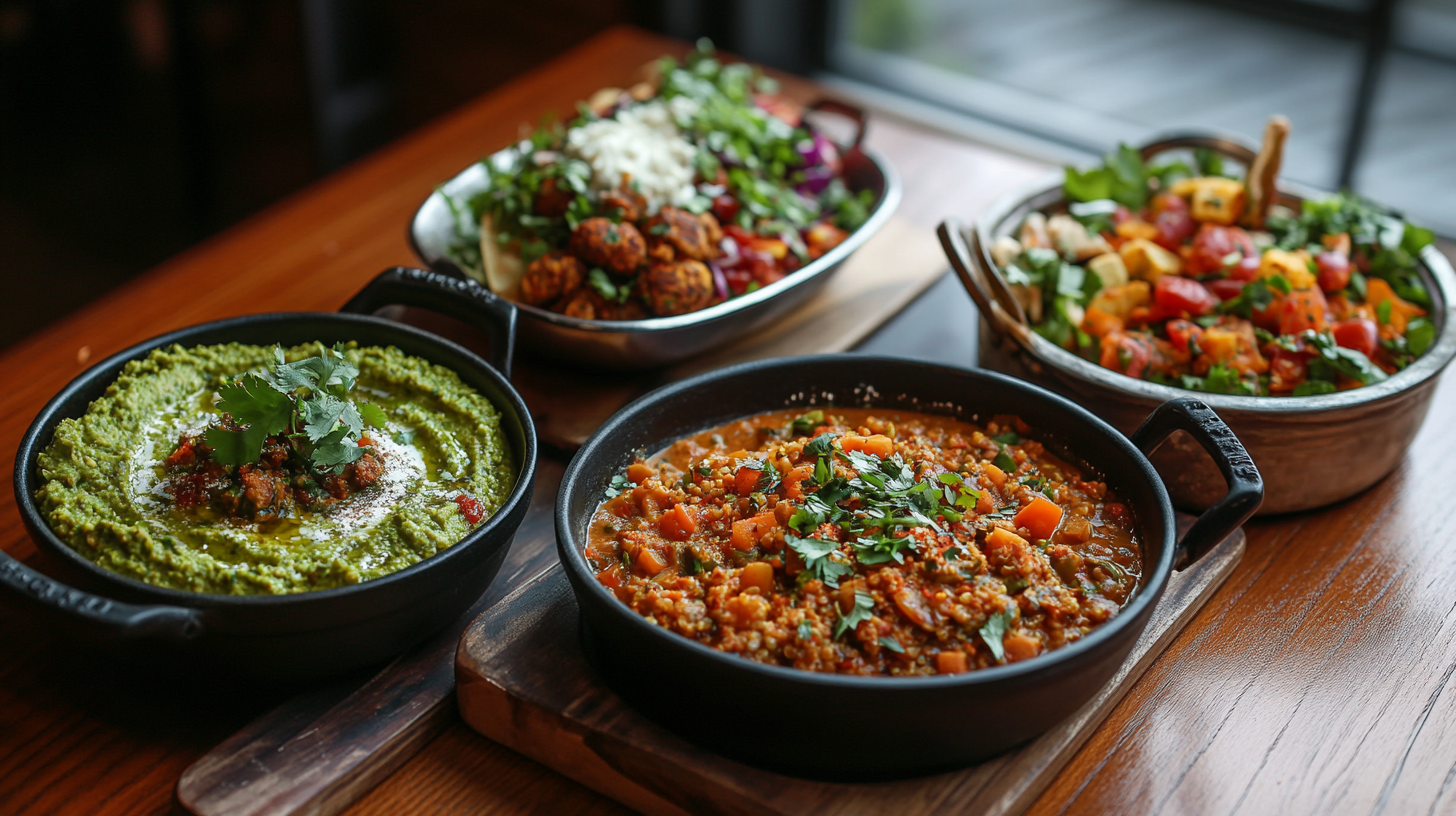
[[644, 141]]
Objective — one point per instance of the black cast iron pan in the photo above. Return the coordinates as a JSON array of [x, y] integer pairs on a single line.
[[863, 728], [289, 637]]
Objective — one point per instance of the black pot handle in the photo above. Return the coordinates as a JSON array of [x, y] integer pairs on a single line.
[[1245, 485], [96, 615], [460, 298]]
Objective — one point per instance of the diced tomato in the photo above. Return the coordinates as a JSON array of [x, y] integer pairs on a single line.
[[1212, 246], [1125, 353], [1334, 270], [1177, 294], [1304, 309], [1358, 334], [725, 208], [1287, 369], [1181, 331], [189, 491], [1246, 269], [470, 509], [1174, 227], [1225, 288], [185, 455]]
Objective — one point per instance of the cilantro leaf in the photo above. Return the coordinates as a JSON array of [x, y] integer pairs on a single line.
[[993, 630], [1335, 358], [818, 558], [804, 425], [254, 402], [373, 414], [335, 451], [1420, 333], [617, 485], [864, 605], [892, 644]]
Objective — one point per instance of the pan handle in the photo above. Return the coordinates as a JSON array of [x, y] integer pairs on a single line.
[[460, 298], [851, 112], [1245, 485], [96, 615]]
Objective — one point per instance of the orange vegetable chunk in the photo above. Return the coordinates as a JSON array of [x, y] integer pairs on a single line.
[[757, 574], [1020, 647], [793, 487], [875, 445], [1002, 538], [995, 474], [637, 473], [951, 662], [677, 524], [747, 532], [1040, 518], [745, 480], [650, 562]]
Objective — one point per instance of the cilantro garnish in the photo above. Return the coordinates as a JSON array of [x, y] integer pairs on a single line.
[[618, 484], [1335, 358], [818, 558], [993, 630], [892, 644], [1004, 461], [864, 605], [804, 425], [307, 400], [806, 630]]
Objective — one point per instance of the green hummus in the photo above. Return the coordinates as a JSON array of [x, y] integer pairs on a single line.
[[105, 490]]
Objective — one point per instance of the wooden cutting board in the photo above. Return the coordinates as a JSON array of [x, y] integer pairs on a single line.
[[522, 680]]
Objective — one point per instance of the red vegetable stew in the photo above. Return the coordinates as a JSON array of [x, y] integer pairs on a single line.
[[863, 541]]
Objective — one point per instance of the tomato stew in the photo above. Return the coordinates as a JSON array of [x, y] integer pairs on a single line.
[[866, 542]]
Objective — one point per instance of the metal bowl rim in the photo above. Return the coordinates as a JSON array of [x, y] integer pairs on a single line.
[[1426, 367], [888, 202]]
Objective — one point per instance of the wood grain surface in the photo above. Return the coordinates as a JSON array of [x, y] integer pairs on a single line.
[[1317, 680], [524, 682]]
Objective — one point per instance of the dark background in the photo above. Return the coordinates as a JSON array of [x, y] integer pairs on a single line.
[[132, 129]]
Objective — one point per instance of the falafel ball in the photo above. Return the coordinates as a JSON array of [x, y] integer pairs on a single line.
[[686, 233], [551, 277], [588, 304], [629, 204], [678, 287], [619, 248]]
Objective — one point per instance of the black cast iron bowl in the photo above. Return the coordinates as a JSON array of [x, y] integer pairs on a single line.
[[860, 728], [286, 638]]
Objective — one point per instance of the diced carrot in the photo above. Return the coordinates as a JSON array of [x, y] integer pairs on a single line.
[[1040, 517], [650, 562], [745, 481], [1304, 309], [951, 662], [747, 532], [1020, 647], [995, 474], [1100, 323], [793, 488], [985, 504], [637, 473], [1001, 538], [874, 445], [1401, 311], [757, 574], [677, 524]]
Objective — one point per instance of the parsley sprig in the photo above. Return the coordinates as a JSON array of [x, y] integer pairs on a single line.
[[307, 400]]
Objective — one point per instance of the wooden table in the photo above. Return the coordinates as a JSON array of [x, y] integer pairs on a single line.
[[1317, 680]]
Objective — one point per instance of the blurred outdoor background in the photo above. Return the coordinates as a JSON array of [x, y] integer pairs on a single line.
[[132, 129]]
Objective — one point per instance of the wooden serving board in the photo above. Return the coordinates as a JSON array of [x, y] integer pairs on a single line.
[[522, 680]]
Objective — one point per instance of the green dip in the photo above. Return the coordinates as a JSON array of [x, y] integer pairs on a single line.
[[104, 481]]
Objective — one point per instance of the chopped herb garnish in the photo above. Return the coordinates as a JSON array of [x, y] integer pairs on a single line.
[[892, 644], [993, 630], [864, 605]]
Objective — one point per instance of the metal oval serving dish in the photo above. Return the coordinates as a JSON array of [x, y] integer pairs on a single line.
[[659, 341], [800, 722], [1312, 451], [284, 638]]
